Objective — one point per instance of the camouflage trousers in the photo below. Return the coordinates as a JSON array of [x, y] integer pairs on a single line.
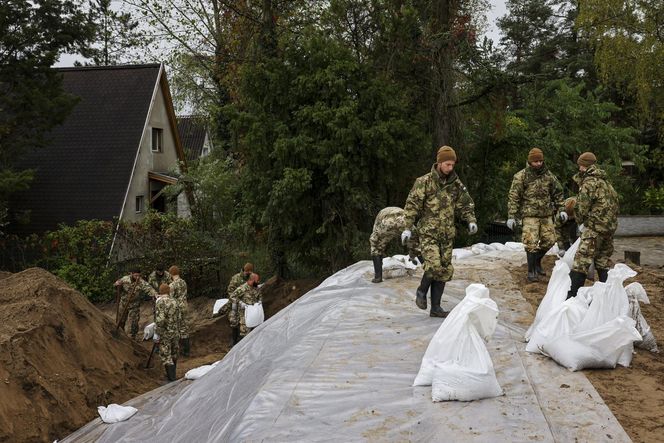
[[595, 248], [538, 234], [438, 258], [168, 349], [133, 313], [184, 319], [379, 241], [565, 233]]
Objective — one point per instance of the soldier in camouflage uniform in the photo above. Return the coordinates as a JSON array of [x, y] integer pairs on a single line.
[[132, 287], [597, 214], [168, 330], [236, 281], [535, 196], [179, 294], [433, 204], [159, 276], [246, 294], [388, 225]]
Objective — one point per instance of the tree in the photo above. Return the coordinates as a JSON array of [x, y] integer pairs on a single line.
[[33, 34]]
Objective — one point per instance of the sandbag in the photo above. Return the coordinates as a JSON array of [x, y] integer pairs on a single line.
[[220, 303], [481, 248], [605, 346], [568, 258], [460, 253], [457, 351], [556, 292], [196, 373], [636, 293], [515, 246], [253, 315], [499, 246], [115, 413], [148, 332], [560, 322], [397, 266]]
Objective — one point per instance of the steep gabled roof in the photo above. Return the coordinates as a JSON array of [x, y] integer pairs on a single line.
[[192, 129], [85, 170]]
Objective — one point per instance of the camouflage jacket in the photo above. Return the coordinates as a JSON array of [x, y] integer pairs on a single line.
[[245, 294], [179, 290], [166, 317], [128, 287], [534, 193], [435, 201], [390, 220], [155, 281], [597, 202], [235, 283]]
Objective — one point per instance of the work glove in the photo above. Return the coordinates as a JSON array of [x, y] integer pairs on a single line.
[[472, 228], [405, 236], [510, 224], [563, 216], [581, 228]]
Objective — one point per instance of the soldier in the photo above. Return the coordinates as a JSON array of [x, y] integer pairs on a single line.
[[131, 286], [566, 230], [597, 214], [246, 294], [239, 278], [388, 225], [535, 195], [179, 294], [167, 328], [159, 276], [433, 204]]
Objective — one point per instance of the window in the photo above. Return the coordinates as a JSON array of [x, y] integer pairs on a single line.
[[139, 204], [157, 139]]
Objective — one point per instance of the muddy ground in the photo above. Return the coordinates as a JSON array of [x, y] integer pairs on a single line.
[[635, 395]]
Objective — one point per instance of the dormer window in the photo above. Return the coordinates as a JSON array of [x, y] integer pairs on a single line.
[[157, 140]]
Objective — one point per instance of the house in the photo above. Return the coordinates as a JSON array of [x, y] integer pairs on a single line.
[[194, 136], [112, 156]]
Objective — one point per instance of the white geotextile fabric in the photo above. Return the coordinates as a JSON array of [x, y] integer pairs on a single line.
[[338, 365]]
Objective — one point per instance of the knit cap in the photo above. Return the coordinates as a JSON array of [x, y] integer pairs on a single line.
[[445, 153], [535, 155], [586, 159]]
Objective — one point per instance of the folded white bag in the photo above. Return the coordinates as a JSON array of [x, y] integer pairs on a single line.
[[115, 413], [218, 305], [253, 315]]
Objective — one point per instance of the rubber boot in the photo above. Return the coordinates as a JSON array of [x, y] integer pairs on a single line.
[[421, 293], [578, 279], [437, 288], [378, 268], [170, 372], [538, 262], [603, 275], [421, 260], [186, 346], [236, 335], [532, 273]]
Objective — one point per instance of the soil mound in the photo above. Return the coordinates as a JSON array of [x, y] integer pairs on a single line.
[[59, 360]]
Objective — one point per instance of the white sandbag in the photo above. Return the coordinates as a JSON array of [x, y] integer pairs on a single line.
[[196, 373], [609, 299], [568, 258], [253, 315], [397, 266], [636, 293], [454, 381], [560, 322], [556, 292], [481, 248], [459, 337], [499, 247], [115, 413], [461, 253], [553, 250], [220, 303], [606, 346], [515, 246], [148, 332]]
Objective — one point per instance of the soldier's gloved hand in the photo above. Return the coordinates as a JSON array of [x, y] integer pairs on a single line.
[[581, 228], [472, 228], [563, 216], [405, 236], [510, 224]]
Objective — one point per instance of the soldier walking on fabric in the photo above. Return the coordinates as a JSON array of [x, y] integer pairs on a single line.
[[179, 294], [132, 287], [159, 276], [389, 224], [433, 204], [246, 294], [167, 329], [535, 196], [597, 214]]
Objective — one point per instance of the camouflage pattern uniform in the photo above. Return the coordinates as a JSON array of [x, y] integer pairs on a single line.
[[597, 209], [433, 204], [566, 231], [155, 281], [245, 294], [535, 196], [236, 280], [389, 224], [167, 328], [179, 294], [133, 290]]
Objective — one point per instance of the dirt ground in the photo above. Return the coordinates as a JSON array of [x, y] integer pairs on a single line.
[[635, 395], [60, 357]]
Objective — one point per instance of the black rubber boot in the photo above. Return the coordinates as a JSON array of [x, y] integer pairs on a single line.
[[578, 279], [186, 346], [236, 336], [421, 259], [378, 268], [603, 274], [538, 262], [437, 288], [170, 372], [421, 293], [532, 273]]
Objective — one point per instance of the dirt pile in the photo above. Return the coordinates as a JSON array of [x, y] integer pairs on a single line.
[[58, 359]]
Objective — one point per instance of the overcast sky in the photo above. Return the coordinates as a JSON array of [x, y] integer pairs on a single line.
[[497, 11]]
